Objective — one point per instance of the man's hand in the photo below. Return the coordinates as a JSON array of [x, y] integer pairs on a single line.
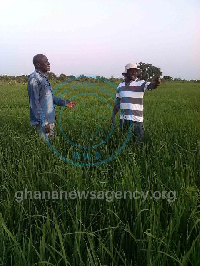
[[47, 128], [71, 105], [154, 84], [112, 120], [158, 81]]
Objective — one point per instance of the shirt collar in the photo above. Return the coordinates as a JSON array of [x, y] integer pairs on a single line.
[[130, 81], [41, 74]]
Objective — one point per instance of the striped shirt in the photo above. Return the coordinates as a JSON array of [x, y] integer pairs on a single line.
[[131, 99]]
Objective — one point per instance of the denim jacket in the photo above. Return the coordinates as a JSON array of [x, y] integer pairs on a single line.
[[41, 99]]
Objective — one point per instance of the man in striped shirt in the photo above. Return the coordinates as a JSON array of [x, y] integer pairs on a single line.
[[129, 99]]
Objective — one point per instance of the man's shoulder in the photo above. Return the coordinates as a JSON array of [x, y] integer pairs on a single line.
[[121, 84], [138, 82], [32, 75], [35, 76], [34, 80]]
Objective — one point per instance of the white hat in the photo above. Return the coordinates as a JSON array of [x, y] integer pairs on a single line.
[[130, 65]]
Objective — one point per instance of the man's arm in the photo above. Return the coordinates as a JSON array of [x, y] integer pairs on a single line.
[[115, 109], [62, 102], [117, 104], [34, 95], [153, 85]]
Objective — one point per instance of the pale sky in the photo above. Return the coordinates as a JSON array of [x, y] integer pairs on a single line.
[[99, 37]]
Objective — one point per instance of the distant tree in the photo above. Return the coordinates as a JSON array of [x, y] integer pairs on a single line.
[[62, 77], [148, 71], [167, 78], [99, 79], [51, 76], [22, 79], [177, 79], [6, 78], [71, 77], [195, 80], [81, 78]]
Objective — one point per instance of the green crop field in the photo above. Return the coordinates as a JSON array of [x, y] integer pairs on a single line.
[[103, 230]]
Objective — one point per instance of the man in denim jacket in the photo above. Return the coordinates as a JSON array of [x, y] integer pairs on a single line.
[[42, 100]]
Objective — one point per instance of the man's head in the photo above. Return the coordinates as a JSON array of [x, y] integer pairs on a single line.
[[41, 63], [131, 71]]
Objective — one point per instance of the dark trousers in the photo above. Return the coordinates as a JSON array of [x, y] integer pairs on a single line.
[[137, 127]]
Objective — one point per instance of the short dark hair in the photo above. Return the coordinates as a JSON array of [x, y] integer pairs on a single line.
[[37, 58]]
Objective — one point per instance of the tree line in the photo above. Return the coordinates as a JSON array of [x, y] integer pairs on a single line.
[[57, 79], [148, 72]]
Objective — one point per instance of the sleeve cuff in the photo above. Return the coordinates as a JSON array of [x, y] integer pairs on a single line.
[[67, 101]]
